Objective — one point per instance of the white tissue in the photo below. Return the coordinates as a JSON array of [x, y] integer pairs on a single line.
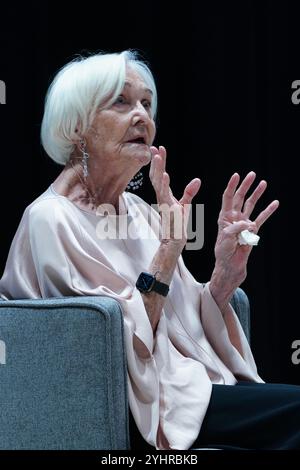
[[248, 238]]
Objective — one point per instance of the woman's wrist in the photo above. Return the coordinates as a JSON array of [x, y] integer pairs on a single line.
[[162, 266], [165, 260], [221, 287], [172, 245]]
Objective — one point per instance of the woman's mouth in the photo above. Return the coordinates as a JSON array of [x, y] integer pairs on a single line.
[[137, 141]]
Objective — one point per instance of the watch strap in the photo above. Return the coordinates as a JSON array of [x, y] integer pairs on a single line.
[[160, 288]]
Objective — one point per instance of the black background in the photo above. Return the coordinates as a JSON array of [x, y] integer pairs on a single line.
[[224, 72]]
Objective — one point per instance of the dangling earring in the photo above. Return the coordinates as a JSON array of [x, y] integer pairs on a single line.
[[85, 157], [136, 182]]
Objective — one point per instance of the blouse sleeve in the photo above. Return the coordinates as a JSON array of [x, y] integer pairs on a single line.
[[241, 365]]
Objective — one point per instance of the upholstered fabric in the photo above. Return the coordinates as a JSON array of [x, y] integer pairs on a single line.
[[240, 303], [63, 384]]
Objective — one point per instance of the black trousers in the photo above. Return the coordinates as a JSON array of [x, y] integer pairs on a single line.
[[245, 416]]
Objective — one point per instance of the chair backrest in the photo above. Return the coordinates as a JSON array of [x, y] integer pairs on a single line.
[[240, 303]]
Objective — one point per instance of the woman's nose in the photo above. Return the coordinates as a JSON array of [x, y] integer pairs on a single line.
[[140, 114]]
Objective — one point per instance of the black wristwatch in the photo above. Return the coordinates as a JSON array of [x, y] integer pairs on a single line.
[[147, 282]]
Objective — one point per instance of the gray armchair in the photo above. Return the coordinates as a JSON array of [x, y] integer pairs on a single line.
[[63, 373]]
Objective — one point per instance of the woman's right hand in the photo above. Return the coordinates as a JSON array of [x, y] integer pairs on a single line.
[[174, 212]]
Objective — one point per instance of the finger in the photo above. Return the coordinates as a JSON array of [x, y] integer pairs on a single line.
[[190, 191], [154, 151], [152, 167], [157, 165], [265, 214], [227, 198], [239, 197], [157, 172], [252, 200], [163, 154], [165, 188], [237, 227]]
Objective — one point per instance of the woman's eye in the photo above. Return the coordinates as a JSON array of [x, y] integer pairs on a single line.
[[147, 104], [120, 100]]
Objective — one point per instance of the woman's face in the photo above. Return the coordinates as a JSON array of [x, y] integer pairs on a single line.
[[124, 132]]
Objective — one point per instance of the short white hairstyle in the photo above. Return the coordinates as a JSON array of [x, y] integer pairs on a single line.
[[80, 88]]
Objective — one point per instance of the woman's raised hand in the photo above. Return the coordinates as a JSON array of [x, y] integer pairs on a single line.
[[174, 212], [231, 257]]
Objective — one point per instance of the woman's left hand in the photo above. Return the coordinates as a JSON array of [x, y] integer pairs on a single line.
[[231, 257]]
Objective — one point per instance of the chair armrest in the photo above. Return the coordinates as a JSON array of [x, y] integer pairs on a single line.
[[240, 303], [64, 382]]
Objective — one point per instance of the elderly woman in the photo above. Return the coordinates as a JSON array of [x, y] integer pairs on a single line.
[[192, 379]]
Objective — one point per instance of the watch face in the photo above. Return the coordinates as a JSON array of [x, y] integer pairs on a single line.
[[145, 282]]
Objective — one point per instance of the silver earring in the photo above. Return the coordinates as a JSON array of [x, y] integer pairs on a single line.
[[136, 182], [85, 157]]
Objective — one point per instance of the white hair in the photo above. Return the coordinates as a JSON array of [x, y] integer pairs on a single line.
[[80, 88]]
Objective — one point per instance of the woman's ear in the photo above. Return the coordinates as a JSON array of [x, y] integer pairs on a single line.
[[76, 137]]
